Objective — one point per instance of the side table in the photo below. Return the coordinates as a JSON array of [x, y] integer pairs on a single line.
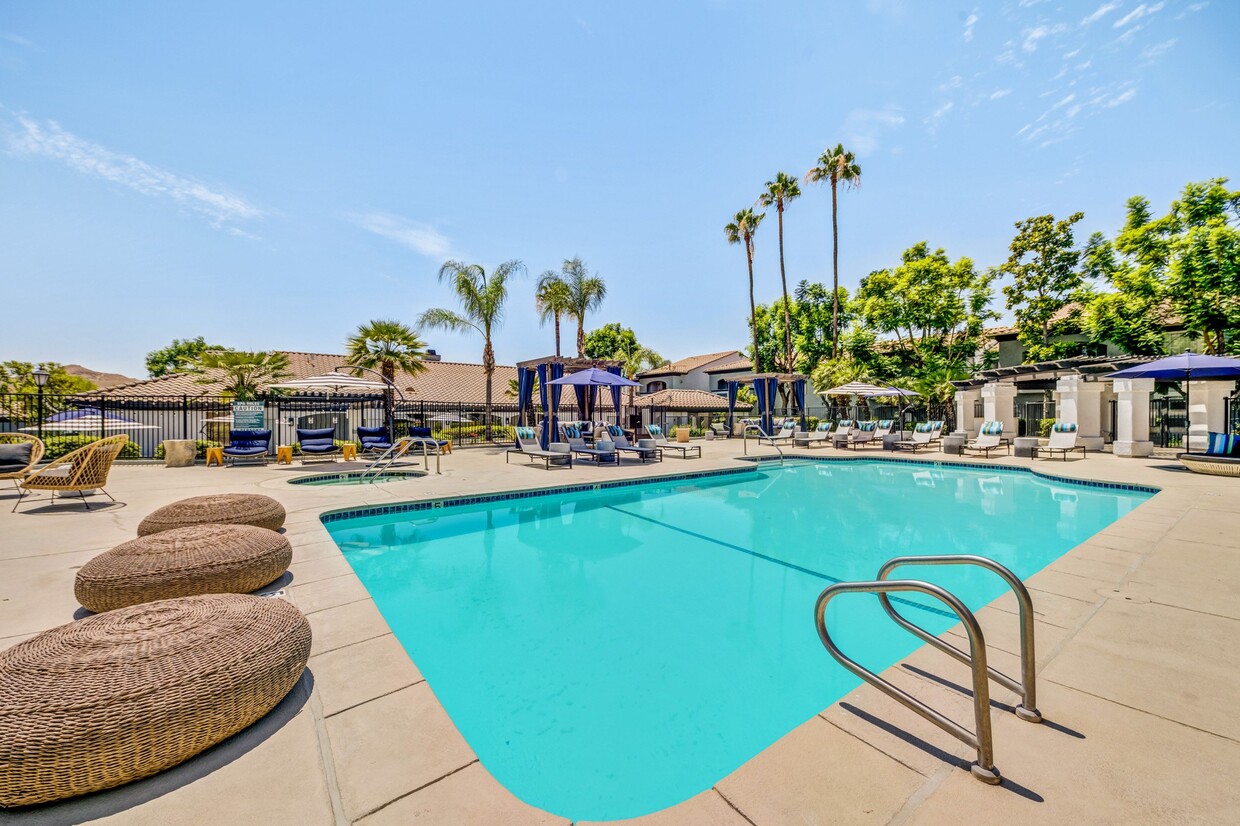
[[954, 444], [1025, 445], [284, 454], [215, 455], [348, 451]]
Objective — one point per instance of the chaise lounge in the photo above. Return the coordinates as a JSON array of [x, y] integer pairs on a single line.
[[248, 446], [528, 446], [656, 435], [1222, 456], [1062, 441], [989, 438], [317, 444]]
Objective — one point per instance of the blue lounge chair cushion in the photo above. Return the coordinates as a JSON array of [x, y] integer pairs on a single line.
[[247, 442], [1223, 444], [317, 440], [373, 438]]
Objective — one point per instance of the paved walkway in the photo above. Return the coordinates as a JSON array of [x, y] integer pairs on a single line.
[[1138, 634]]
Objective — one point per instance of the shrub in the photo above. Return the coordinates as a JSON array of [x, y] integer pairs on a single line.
[[811, 422], [1044, 427], [200, 448], [57, 446]]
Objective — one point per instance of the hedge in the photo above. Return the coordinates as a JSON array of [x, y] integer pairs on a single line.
[[57, 446]]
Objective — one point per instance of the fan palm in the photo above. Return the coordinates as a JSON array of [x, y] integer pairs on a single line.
[[635, 361], [242, 375], [740, 231], [837, 167], [482, 300], [553, 298], [779, 193], [585, 293], [386, 346]]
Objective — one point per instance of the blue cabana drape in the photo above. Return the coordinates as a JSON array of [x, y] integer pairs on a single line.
[[615, 393], [543, 398], [585, 402], [765, 389], [525, 392], [557, 372], [798, 394], [732, 386]]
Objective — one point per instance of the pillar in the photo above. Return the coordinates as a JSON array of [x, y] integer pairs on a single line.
[[1206, 400], [1080, 402], [1132, 417], [999, 404], [965, 401]]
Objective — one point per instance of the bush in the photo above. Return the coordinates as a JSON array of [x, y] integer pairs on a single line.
[[57, 446], [1044, 427], [811, 422], [200, 448]]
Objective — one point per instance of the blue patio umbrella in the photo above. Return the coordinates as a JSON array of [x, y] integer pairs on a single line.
[[594, 377], [1185, 367]]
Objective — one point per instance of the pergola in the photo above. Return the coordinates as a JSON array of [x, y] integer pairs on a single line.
[[765, 385], [548, 369]]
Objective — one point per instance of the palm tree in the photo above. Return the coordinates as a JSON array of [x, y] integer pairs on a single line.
[[386, 346], [838, 167], [740, 231], [553, 298], [779, 193], [243, 375], [635, 361], [585, 293], [482, 299]]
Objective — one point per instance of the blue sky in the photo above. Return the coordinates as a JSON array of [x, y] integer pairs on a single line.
[[272, 175]]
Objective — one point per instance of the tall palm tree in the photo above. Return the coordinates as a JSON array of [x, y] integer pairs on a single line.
[[553, 298], [779, 193], [482, 299], [586, 292], [387, 346], [837, 167], [740, 231], [635, 361]]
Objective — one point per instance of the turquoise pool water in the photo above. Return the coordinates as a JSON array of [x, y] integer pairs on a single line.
[[614, 652]]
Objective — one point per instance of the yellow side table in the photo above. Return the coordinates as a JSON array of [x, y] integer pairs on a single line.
[[448, 447], [348, 451], [216, 455], [284, 454]]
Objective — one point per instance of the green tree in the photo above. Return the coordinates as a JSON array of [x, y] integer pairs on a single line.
[[741, 231], [1132, 316], [779, 193], [18, 377], [554, 299], [1045, 277], [936, 309], [242, 375], [585, 294], [482, 300], [837, 371], [612, 341], [836, 167], [386, 346], [177, 357]]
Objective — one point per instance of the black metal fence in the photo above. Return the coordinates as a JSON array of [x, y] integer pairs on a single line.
[[1168, 421], [1030, 415]]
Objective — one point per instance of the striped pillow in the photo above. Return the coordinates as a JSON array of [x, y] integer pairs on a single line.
[[823, 427], [886, 424], [1222, 444], [867, 427], [992, 429], [1063, 427], [845, 422], [614, 430], [925, 427], [654, 430], [525, 433], [571, 432]]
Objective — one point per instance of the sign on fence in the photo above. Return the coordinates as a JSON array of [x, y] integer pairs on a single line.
[[247, 415]]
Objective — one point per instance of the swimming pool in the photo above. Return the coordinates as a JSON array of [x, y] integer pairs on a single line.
[[612, 652]]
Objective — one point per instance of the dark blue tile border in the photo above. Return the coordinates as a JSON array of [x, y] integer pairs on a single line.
[[385, 476]]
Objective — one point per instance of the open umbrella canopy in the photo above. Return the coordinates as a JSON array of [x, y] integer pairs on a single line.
[[592, 376], [893, 392], [331, 381], [1184, 366], [88, 420], [856, 388]]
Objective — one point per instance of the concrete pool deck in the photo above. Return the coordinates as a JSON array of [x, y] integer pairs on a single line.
[[1138, 643]]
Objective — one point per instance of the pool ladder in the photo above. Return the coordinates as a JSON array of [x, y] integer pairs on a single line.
[[762, 434], [980, 738], [401, 447]]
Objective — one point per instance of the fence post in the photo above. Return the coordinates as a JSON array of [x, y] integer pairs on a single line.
[[185, 416]]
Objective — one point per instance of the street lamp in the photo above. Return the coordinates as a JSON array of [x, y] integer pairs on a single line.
[[40, 379]]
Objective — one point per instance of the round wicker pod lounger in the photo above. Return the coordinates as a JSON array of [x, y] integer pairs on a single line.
[[123, 695], [182, 562], [217, 508]]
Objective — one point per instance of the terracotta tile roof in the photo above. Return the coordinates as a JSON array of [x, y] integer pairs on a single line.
[[684, 365], [682, 400], [732, 366]]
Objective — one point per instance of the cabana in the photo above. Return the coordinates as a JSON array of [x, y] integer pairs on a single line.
[[765, 386], [549, 369]]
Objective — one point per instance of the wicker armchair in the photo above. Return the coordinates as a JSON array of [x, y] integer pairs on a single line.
[[36, 454], [81, 470]]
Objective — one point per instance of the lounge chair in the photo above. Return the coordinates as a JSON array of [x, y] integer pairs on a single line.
[[424, 434], [1221, 458], [819, 435], [842, 433], [862, 434], [578, 447], [1062, 441], [646, 454], [989, 437], [80, 470], [248, 446], [721, 430], [528, 446], [318, 444], [373, 439], [19, 453], [656, 434], [923, 434]]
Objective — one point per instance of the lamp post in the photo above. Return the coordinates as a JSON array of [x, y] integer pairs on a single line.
[[40, 379]]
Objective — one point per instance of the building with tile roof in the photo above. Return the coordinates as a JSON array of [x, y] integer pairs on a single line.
[[707, 372]]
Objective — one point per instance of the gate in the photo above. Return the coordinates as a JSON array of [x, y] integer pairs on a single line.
[[1029, 417], [1168, 421]]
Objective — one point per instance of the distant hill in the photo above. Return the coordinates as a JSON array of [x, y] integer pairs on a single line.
[[103, 381]]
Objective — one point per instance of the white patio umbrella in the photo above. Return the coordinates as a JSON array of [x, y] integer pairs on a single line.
[[854, 389], [88, 420], [335, 382], [450, 417]]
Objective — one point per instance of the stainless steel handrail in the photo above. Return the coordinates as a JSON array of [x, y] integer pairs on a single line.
[[980, 739], [1026, 687], [399, 449], [762, 434]]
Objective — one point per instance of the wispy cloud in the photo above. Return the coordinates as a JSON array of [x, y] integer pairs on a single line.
[[1158, 49], [969, 23], [9, 37], [1032, 36], [422, 238], [935, 118], [1123, 97], [1100, 12], [48, 139], [863, 127], [1000, 93], [1136, 14]]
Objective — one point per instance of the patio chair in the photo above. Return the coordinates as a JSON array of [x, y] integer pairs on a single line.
[[19, 453], [989, 437], [721, 430], [842, 432], [578, 447], [77, 471], [317, 444], [656, 435], [646, 454], [923, 434], [818, 436], [1062, 441], [528, 446], [373, 439], [424, 434], [248, 446], [1221, 457], [862, 434]]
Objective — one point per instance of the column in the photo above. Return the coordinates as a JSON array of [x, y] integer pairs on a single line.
[[999, 404], [1080, 401], [1206, 400], [1132, 417], [966, 422]]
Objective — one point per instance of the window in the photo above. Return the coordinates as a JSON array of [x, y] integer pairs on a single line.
[[655, 386], [722, 384]]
